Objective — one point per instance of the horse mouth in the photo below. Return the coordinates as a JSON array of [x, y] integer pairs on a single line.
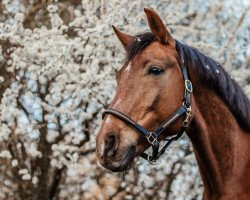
[[124, 164]]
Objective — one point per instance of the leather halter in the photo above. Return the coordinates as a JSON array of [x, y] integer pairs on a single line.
[[152, 137]]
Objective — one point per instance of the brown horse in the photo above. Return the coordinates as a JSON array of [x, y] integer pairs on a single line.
[[151, 85]]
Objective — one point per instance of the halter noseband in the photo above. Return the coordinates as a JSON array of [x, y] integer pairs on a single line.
[[152, 137]]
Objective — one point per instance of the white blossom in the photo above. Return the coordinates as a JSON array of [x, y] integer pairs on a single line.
[[23, 171], [34, 180], [5, 154], [52, 8], [19, 17], [26, 177], [14, 163]]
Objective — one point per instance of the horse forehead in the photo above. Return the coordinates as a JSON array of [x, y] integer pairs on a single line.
[[157, 51], [156, 46]]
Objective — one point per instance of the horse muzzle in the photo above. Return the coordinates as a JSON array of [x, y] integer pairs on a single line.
[[115, 164]]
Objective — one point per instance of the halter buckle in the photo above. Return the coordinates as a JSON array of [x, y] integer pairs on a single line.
[[188, 86], [151, 138]]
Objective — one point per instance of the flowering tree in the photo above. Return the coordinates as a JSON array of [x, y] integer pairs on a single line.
[[57, 65]]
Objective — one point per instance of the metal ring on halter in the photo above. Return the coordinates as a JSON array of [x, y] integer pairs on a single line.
[[151, 138], [188, 86]]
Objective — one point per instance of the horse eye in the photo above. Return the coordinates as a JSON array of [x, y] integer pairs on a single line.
[[155, 71]]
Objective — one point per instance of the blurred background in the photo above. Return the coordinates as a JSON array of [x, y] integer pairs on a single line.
[[58, 61]]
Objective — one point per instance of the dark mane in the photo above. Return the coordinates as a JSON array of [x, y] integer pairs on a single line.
[[210, 72]]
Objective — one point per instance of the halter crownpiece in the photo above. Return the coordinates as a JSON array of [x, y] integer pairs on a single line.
[[152, 137]]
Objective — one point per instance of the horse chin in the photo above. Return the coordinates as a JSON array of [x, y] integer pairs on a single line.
[[125, 164]]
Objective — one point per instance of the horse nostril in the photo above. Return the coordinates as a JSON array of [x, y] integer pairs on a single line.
[[110, 145]]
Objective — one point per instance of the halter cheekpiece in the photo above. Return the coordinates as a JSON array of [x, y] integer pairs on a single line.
[[152, 137]]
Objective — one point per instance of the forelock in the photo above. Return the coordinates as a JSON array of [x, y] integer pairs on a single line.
[[139, 44]]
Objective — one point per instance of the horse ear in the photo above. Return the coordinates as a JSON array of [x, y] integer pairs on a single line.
[[158, 28], [124, 38]]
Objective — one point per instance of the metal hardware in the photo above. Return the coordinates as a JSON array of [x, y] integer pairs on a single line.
[[151, 160], [188, 115], [151, 138], [188, 86]]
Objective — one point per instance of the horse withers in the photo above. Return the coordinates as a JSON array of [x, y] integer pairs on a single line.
[[166, 88]]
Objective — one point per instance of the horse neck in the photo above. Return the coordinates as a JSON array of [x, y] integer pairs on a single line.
[[220, 145]]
